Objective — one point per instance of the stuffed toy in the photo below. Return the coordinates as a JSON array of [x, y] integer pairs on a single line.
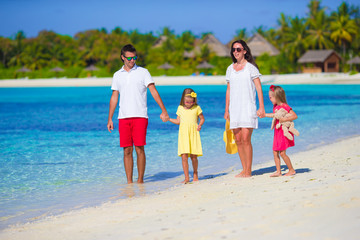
[[287, 127]]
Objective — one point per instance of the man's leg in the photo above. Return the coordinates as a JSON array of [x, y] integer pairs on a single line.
[[141, 162], [128, 163], [139, 138]]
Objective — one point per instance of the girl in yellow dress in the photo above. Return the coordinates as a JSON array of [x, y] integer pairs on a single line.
[[189, 143]]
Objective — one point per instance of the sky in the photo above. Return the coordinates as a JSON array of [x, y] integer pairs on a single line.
[[221, 17]]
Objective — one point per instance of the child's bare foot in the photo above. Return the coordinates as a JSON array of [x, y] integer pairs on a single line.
[[276, 174], [196, 177], [290, 173]]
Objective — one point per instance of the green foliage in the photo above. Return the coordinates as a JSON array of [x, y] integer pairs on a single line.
[[320, 29]]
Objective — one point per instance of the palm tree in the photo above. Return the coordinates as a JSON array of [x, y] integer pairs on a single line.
[[284, 27], [295, 43], [343, 29], [319, 34], [242, 34]]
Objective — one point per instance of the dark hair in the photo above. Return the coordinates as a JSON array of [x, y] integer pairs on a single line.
[[187, 91], [127, 48], [247, 56]]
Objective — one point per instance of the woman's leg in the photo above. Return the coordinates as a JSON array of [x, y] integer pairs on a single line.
[[195, 164], [243, 142]]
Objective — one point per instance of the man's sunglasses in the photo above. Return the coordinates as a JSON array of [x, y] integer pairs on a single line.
[[129, 58], [237, 49]]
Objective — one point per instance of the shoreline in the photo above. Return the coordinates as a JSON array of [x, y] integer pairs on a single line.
[[283, 79], [321, 201]]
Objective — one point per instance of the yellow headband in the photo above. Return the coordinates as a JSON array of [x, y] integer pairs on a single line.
[[193, 94]]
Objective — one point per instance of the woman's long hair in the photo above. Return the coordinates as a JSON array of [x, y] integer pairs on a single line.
[[247, 56]]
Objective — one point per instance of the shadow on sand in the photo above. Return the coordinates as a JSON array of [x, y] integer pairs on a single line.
[[160, 176], [272, 169]]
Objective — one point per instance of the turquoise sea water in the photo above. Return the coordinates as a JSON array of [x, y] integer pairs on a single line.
[[56, 153]]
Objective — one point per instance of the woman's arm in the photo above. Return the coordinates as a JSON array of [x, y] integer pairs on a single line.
[[227, 102], [175, 121], [261, 111], [202, 120]]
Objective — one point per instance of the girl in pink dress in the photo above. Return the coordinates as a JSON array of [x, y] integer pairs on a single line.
[[281, 143]]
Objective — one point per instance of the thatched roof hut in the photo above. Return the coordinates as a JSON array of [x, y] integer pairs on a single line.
[[213, 44], [322, 61], [204, 65], [166, 66], [259, 45], [216, 46], [355, 60], [160, 41], [23, 69]]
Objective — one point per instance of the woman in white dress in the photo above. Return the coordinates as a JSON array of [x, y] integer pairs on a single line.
[[242, 78]]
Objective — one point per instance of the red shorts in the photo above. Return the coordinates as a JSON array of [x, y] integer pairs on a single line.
[[132, 131]]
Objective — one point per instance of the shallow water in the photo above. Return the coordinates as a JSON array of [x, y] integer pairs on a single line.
[[56, 153]]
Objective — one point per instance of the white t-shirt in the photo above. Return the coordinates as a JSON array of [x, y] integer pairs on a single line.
[[242, 107], [132, 87]]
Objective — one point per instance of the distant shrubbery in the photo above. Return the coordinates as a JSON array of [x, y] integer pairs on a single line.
[[338, 30]]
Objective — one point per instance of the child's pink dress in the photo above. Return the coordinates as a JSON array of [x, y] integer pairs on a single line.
[[281, 142]]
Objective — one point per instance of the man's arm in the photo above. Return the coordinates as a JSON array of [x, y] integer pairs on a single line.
[[113, 102], [164, 115]]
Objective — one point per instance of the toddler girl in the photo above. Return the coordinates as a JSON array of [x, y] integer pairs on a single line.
[[281, 143], [189, 144]]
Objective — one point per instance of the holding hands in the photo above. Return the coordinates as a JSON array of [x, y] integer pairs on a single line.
[[261, 113], [164, 116]]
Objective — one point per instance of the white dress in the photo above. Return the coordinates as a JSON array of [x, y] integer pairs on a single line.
[[242, 107]]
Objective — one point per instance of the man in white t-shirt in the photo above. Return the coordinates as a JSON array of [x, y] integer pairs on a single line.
[[131, 83]]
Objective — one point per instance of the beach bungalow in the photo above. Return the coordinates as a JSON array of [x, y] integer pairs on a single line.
[[317, 61], [215, 46], [159, 41], [259, 45], [354, 61]]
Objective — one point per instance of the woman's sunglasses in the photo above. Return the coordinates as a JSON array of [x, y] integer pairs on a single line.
[[237, 49], [129, 58]]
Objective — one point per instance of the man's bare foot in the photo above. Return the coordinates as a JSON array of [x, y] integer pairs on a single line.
[[242, 174], [290, 173], [186, 181], [276, 174], [196, 177]]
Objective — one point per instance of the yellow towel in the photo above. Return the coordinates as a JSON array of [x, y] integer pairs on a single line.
[[229, 139]]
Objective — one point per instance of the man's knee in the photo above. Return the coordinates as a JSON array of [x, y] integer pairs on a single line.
[[139, 150], [128, 151]]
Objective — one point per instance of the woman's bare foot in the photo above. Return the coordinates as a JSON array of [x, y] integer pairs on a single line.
[[276, 174], [196, 177], [291, 173], [242, 174]]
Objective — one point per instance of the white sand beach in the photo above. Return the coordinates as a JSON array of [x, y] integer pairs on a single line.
[[281, 79], [322, 201]]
